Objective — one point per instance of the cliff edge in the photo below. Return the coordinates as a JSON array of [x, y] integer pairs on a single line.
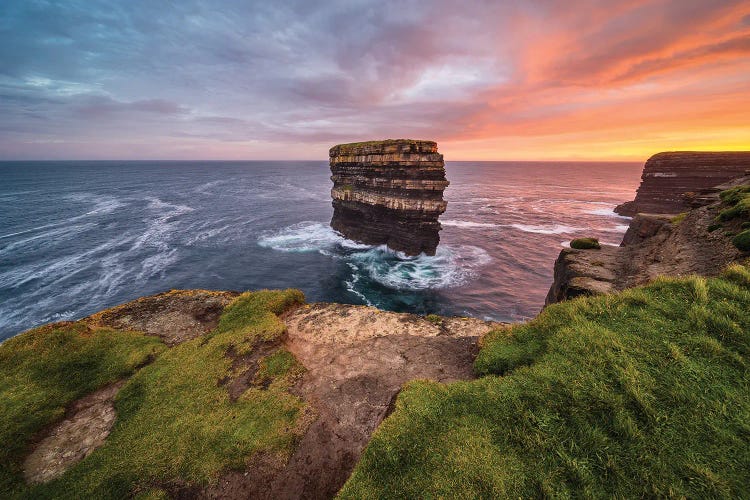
[[688, 232]]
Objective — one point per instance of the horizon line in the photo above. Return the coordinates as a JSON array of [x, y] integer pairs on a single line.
[[569, 160]]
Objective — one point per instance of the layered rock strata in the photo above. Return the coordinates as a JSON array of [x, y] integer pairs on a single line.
[[389, 192], [654, 245], [671, 180]]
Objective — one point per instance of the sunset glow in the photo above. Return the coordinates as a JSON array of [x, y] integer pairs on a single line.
[[538, 80]]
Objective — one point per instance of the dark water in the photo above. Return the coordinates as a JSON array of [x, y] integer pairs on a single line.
[[76, 237]]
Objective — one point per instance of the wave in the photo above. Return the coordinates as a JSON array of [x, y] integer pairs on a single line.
[[307, 236], [162, 226], [49, 238], [607, 212], [451, 266], [351, 285], [467, 224], [546, 229], [102, 205]]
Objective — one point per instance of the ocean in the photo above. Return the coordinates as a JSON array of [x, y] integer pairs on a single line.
[[77, 237]]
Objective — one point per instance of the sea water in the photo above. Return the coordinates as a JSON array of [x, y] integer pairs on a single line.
[[77, 237]]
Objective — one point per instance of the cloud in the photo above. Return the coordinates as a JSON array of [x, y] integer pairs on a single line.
[[99, 106], [94, 78]]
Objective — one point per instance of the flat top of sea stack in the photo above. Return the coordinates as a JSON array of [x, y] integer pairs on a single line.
[[387, 146]]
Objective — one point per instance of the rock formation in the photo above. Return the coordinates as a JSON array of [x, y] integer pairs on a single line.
[[670, 180], [389, 192], [658, 244]]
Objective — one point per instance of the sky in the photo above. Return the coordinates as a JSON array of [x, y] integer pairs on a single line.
[[278, 79]]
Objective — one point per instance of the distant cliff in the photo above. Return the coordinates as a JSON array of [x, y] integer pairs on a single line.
[[670, 180], [389, 192], [672, 233]]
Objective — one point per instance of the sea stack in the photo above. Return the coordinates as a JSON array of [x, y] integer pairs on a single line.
[[389, 192]]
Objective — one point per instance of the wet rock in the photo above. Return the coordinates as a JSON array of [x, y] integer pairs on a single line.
[[389, 192]]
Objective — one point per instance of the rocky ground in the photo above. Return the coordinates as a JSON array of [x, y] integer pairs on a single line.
[[356, 359], [86, 426], [175, 317]]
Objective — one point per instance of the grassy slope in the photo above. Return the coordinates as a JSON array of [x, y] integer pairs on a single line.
[[45, 369], [642, 393], [738, 200], [176, 424]]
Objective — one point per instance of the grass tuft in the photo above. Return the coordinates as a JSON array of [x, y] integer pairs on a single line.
[[677, 219], [434, 319], [738, 200], [636, 394], [585, 243], [742, 241]]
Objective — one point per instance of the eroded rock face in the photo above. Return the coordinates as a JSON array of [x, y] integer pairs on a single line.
[[670, 180], [654, 245], [389, 192]]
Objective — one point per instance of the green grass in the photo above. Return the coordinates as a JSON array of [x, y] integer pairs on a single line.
[[44, 370], [175, 422], [585, 243], [354, 146], [434, 319], [638, 394], [738, 200], [281, 367], [677, 219], [742, 241], [713, 227]]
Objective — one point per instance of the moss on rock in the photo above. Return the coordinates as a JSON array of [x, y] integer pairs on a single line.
[[585, 243], [742, 241]]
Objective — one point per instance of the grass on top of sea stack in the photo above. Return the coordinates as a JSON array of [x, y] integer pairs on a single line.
[[643, 393], [176, 424]]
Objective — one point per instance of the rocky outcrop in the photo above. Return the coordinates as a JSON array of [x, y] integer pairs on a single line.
[[670, 180], [389, 192], [654, 245]]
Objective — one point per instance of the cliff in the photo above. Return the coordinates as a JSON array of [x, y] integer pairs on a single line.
[[204, 394], [210, 394], [389, 192], [701, 240], [671, 179]]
